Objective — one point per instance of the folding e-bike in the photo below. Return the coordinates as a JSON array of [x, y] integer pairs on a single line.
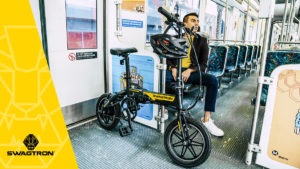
[[186, 140]]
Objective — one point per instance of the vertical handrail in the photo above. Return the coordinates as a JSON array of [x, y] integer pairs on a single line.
[[118, 31], [246, 23], [226, 17], [249, 153], [161, 124], [291, 20], [288, 21], [284, 20], [257, 34]]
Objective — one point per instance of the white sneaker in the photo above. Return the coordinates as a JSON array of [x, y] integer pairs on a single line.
[[212, 128]]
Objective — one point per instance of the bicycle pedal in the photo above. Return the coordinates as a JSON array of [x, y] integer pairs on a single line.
[[125, 131]]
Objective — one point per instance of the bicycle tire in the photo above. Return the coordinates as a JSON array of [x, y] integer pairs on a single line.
[[109, 117], [194, 152]]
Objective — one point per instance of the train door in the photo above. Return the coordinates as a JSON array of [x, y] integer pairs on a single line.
[[74, 31]]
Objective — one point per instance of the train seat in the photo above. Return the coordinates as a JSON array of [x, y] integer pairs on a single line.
[[255, 56], [273, 60], [242, 58], [188, 87], [232, 61], [258, 53], [249, 57], [217, 61]]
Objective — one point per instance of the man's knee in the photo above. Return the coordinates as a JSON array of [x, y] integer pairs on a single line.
[[214, 82]]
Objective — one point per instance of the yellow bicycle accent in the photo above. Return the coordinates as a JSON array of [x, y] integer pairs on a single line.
[[179, 128]]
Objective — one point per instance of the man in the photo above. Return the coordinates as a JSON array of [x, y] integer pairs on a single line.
[[191, 75]]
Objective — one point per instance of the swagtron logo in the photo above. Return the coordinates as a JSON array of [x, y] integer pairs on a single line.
[[30, 142]]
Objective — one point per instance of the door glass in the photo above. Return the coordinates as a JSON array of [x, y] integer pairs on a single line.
[[81, 24]]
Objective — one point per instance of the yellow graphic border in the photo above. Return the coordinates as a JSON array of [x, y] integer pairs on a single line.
[[28, 101]]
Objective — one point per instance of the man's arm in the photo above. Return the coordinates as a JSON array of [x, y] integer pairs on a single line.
[[203, 53]]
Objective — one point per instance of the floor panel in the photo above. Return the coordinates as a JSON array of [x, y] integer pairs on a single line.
[[97, 148]]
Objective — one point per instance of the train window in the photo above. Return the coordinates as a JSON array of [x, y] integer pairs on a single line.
[[252, 30], [214, 20], [81, 18], [155, 21], [186, 7], [238, 25], [241, 27]]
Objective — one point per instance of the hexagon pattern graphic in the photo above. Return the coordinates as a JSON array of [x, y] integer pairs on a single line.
[[288, 82], [30, 115]]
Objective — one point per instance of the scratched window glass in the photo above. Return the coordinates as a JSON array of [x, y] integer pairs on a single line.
[[214, 20], [154, 19], [179, 8], [81, 19]]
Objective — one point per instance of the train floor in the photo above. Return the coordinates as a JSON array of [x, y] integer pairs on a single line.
[[96, 148]]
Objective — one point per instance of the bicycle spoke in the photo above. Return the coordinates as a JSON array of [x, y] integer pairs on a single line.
[[178, 135], [177, 144], [191, 149], [194, 134], [106, 120], [183, 151], [196, 143]]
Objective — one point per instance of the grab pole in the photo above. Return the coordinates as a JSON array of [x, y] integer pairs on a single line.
[[267, 13]]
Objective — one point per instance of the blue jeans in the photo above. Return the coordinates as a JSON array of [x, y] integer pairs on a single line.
[[209, 81]]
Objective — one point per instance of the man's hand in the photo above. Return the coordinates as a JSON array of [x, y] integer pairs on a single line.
[[186, 74], [174, 73]]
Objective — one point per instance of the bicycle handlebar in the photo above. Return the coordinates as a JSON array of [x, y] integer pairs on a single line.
[[169, 16]]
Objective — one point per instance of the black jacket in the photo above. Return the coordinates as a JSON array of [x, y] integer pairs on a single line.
[[201, 47]]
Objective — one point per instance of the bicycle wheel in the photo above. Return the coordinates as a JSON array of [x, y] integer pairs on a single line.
[[109, 117], [191, 151]]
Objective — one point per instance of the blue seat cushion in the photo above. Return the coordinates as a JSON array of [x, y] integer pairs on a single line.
[[229, 68], [241, 66], [215, 73], [188, 87]]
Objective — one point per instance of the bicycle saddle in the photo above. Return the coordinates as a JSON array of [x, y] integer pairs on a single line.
[[122, 51], [169, 46]]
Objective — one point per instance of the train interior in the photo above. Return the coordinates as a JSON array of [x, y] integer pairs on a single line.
[[254, 52]]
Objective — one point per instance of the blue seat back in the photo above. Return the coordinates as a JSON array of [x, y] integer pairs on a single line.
[[217, 60], [249, 54], [275, 59], [232, 57], [242, 55], [259, 52], [255, 53]]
